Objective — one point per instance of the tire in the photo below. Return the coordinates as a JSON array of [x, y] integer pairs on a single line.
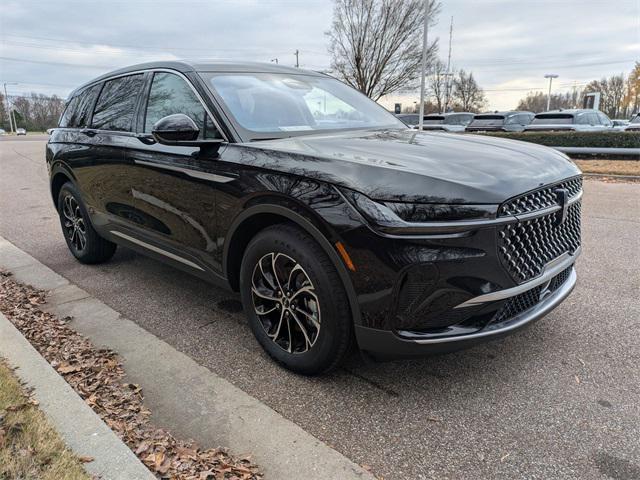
[[83, 241], [318, 303]]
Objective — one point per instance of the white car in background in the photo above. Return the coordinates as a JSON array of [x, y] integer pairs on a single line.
[[2, 131], [21, 131], [619, 124], [578, 120], [634, 124], [447, 122]]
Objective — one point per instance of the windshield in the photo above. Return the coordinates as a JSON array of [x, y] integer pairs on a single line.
[[487, 120], [409, 119], [553, 118], [635, 119], [267, 105], [458, 119]]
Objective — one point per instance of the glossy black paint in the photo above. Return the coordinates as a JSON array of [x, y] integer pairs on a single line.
[[200, 206]]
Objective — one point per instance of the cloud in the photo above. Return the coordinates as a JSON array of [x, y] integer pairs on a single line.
[[55, 46]]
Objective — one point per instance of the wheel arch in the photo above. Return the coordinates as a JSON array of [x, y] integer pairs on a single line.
[[59, 176], [256, 218]]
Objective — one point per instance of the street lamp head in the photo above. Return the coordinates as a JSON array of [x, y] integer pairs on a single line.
[[550, 75]]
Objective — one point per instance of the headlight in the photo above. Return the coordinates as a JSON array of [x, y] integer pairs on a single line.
[[398, 214]]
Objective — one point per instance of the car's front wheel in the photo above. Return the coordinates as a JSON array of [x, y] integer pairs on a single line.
[[83, 241], [295, 301]]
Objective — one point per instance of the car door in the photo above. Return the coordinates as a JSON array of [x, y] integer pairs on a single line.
[[174, 187], [101, 169]]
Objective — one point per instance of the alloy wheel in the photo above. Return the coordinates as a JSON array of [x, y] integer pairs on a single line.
[[74, 224], [285, 301]]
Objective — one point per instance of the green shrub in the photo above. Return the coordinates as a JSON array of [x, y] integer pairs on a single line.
[[615, 139]]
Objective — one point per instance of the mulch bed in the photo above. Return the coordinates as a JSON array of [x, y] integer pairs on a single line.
[[97, 375]]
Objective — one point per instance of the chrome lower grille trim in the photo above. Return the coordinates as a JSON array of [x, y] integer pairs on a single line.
[[552, 269]]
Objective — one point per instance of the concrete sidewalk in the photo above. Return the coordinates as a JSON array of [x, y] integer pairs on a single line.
[[82, 429], [185, 397]]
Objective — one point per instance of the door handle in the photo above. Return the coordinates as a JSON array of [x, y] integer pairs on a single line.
[[89, 132], [146, 138]]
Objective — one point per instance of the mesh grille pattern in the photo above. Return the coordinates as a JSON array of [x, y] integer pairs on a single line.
[[539, 199], [529, 299], [527, 246]]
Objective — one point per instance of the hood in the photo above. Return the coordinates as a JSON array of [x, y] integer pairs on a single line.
[[413, 166]]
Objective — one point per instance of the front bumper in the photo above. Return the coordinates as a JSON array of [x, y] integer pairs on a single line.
[[387, 344]]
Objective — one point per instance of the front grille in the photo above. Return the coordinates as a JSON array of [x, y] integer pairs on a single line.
[[539, 199], [527, 246], [529, 299]]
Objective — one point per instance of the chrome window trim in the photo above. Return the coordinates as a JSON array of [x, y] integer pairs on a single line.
[[153, 70], [552, 269]]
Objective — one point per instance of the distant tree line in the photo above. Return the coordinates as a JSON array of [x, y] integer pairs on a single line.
[[35, 112], [619, 96]]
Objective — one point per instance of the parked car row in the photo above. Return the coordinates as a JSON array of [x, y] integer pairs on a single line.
[[582, 120]]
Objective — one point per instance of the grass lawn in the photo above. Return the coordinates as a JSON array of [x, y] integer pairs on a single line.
[[29, 447], [611, 167]]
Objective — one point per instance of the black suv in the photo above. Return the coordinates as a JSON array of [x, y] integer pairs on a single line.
[[333, 219]]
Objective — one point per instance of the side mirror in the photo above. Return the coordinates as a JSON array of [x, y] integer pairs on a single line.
[[175, 129], [180, 129]]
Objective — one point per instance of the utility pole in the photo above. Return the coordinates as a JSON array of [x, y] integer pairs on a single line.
[[448, 74], [550, 76], [6, 99], [423, 67], [296, 53]]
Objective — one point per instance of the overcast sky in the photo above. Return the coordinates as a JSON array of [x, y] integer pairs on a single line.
[[53, 46]]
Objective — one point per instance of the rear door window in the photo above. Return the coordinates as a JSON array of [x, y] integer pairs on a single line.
[[117, 103], [170, 94]]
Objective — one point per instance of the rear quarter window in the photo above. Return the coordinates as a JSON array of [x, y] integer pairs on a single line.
[[78, 111], [69, 111], [117, 103]]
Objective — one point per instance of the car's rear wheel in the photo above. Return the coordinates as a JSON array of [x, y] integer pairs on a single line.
[[294, 300], [83, 241]]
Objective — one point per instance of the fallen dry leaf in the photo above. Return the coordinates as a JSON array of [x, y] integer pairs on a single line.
[[97, 375]]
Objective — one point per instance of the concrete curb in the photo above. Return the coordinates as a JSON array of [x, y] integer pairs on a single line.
[[600, 175], [183, 395], [83, 431]]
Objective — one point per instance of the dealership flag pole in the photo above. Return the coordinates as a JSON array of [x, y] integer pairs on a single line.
[[423, 68]]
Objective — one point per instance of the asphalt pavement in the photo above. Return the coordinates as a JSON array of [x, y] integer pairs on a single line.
[[558, 400]]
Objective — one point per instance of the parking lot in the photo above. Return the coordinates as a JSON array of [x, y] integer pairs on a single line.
[[558, 400]]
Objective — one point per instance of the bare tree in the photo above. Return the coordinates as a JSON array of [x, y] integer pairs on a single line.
[[437, 84], [537, 102], [631, 100], [35, 112], [467, 92], [612, 91], [376, 45]]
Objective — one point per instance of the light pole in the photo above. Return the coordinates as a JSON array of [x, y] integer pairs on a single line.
[[6, 99], [447, 90], [423, 66], [550, 76]]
